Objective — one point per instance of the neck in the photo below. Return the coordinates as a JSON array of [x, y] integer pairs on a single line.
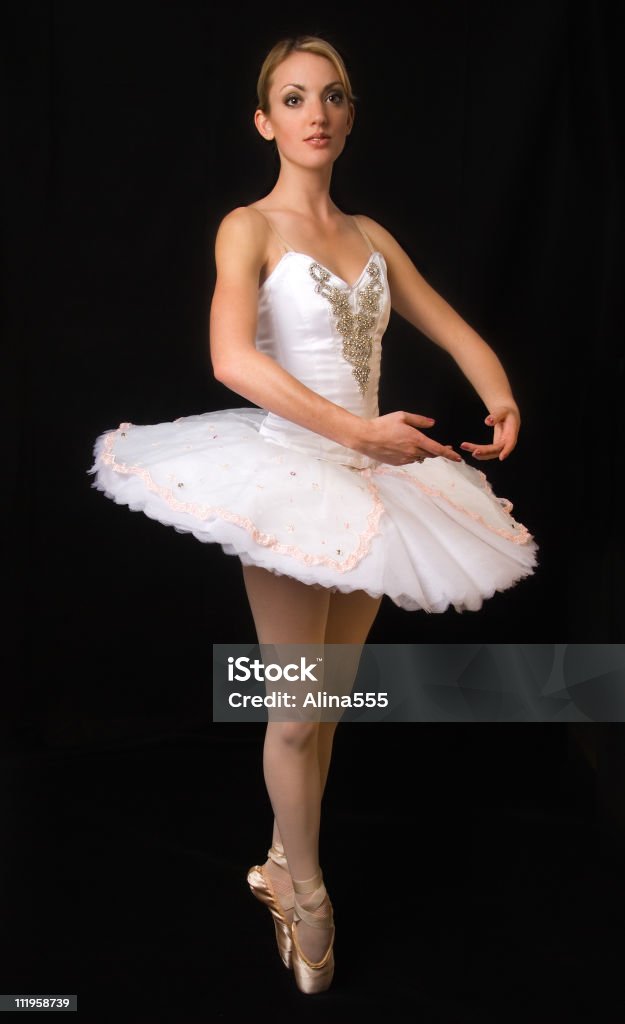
[[304, 191]]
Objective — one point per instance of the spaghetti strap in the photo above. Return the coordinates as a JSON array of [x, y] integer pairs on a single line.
[[362, 232], [285, 245]]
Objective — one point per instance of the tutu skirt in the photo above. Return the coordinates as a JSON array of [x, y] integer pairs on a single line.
[[428, 535]]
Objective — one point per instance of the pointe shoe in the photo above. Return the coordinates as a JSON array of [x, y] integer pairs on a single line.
[[260, 884], [311, 977]]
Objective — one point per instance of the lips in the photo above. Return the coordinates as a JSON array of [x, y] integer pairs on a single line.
[[320, 135]]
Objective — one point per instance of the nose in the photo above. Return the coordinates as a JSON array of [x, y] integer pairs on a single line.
[[318, 115]]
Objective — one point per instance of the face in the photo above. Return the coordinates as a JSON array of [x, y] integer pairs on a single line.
[[309, 115]]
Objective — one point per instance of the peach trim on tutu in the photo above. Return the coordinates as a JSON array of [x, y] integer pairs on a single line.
[[517, 538], [263, 539]]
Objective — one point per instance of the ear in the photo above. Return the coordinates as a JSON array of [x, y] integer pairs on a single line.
[[263, 124]]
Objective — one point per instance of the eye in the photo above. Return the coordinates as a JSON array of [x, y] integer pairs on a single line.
[[336, 97]]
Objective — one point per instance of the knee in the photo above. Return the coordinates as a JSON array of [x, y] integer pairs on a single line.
[[327, 730], [298, 736]]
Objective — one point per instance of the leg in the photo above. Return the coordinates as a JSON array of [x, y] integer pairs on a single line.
[[286, 611], [349, 621], [350, 618], [297, 755]]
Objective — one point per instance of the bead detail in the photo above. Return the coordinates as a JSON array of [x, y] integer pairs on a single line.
[[355, 327]]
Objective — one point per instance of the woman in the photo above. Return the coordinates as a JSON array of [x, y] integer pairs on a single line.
[[327, 504]]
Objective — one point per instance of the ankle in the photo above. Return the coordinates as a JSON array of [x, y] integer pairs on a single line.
[[277, 855], [312, 902], [280, 879]]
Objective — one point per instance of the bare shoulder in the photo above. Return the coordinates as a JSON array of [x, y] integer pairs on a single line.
[[242, 235], [411, 294], [244, 222], [382, 239], [401, 268]]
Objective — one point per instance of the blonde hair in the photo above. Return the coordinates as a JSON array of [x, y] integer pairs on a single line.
[[299, 44]]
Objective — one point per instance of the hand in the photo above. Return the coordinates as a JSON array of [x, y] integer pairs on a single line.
[[506, 420], [395, 439]]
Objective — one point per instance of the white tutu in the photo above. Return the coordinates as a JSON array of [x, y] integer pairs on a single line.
[[428, 534]]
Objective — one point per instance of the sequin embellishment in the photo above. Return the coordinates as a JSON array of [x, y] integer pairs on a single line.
[[355, 327]]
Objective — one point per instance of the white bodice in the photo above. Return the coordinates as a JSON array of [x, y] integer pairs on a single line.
[[328, 335]]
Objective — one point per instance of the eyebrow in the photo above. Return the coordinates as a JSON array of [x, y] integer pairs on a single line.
[[303, 87]]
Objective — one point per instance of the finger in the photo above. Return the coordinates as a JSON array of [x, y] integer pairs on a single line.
[[483, 451], [504, 430], [501, 414], [506, 435], [507, 449], [447, 452], [413, 419], [469, 446], [483, 456]]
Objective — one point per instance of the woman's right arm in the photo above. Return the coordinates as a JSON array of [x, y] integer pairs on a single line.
[[240, 252]]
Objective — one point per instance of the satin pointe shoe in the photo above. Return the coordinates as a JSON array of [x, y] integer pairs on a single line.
[[260, 884], [312, 977]]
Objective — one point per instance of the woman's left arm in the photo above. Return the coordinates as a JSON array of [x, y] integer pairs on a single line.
[[418, 303]]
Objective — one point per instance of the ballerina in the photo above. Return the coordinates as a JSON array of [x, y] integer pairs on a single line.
[[328, 505]]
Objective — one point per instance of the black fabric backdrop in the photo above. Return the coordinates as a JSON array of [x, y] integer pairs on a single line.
[[487, 139]]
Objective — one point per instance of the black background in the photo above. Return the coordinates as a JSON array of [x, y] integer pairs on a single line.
[[487, 140]]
